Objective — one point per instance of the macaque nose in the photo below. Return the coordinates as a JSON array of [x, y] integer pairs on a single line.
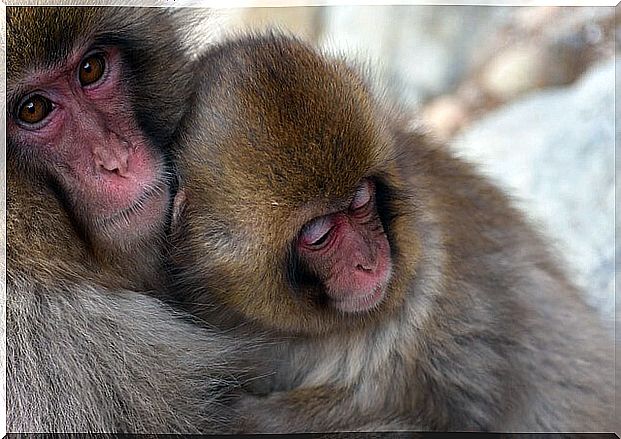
[[113, 156], [365, 258], [366, 263]]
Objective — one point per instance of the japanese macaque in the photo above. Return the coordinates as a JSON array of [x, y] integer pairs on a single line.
[[85, 354], [403, 289], [94, 98]]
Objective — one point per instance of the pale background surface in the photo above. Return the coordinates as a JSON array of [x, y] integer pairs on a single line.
[[526, 92]]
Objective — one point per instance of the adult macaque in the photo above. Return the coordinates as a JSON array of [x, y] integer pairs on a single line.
[[94, 98], [403, 289]]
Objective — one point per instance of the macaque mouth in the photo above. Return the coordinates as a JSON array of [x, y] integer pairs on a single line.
[[148, 208], [353, 304]]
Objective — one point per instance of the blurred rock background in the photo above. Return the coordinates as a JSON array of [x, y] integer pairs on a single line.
[[526, 92]]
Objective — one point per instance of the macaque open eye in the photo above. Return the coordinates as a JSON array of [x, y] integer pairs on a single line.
[[34, 109], [316, 233], [362, 195], [92, 68]]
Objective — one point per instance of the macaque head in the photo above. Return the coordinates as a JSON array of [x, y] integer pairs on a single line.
[[94, 97], [296, 213]]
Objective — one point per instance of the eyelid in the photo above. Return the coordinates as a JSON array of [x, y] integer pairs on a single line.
[[362, 196], [316, 230]]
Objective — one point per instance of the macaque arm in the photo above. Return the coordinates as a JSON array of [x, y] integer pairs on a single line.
[[312, 409]]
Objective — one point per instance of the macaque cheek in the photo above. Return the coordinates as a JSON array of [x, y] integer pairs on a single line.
[[357, 266], [108, 170]]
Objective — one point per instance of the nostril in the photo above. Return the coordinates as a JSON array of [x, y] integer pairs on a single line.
[[113, 156], [366, 269], [106, 165], [113, 164], [109, 166]]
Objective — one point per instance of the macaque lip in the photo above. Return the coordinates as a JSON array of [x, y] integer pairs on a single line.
[[146, 211], [361, 304]]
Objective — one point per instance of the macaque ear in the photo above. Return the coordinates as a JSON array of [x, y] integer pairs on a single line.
[[178, 207]]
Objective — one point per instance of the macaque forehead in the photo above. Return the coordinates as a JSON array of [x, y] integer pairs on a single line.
[[301, 128], [44, 36], [306, 164]]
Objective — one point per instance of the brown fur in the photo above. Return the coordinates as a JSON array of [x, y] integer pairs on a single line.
[[481, 329], [88, 350], [159, 81]]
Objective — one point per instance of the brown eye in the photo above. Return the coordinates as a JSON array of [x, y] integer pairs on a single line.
[[92, 69], [34, 109]]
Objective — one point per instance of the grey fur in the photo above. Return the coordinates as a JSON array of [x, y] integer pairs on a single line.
[[84, 359], [491, 335], [88, 348]]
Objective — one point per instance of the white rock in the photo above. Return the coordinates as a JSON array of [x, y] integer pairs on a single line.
[[554, 149]]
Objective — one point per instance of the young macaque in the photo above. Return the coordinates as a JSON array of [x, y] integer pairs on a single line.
[[402, 289]]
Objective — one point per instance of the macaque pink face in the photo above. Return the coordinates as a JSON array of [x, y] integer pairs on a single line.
[[77, 121], [350, 253]]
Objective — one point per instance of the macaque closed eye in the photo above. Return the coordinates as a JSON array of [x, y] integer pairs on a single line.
[[362, 196], [316, 233]]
